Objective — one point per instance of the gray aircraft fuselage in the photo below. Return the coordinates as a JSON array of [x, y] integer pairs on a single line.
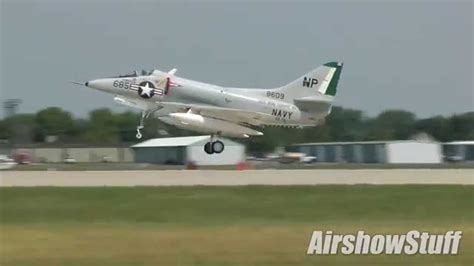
[[193, 92], [227, 111]]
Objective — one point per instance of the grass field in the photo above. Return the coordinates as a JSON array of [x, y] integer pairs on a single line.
[[252, 225]]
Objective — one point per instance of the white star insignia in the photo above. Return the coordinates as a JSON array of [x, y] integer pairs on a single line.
[[146, 90]]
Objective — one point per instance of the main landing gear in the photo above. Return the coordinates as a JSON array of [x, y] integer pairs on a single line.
[[141, 125], [214, 146]]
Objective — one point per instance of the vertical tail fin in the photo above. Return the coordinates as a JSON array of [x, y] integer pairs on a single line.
[[320, 81]]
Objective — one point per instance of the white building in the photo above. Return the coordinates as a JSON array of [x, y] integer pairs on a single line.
[[183, 150], [403, 151]]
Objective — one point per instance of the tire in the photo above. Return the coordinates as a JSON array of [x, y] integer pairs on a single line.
[[218, 146], [208, 148]]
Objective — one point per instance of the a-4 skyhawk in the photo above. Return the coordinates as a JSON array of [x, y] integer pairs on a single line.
[[223, 111]]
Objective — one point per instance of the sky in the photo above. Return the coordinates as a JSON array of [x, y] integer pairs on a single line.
[[411, 55]]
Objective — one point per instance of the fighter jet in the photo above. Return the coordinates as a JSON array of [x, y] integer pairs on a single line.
[[224, 111]]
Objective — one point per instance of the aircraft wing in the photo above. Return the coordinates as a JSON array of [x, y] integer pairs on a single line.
[[135, 103], [164, 108], [157, 109], [229, 114]]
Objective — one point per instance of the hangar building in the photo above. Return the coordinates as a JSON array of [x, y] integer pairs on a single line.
[[404, 151], [463, 150], [182, 150], [60, 152]]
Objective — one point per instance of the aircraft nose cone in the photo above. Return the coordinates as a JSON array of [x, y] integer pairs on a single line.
[[93, 83], [100, 84]]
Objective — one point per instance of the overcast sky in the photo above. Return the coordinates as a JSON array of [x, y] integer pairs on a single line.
[[413, 55]]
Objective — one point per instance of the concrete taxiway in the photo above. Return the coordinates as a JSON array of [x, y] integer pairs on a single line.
[[236, 178]]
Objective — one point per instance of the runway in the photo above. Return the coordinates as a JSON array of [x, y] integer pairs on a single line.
[[236, 178]]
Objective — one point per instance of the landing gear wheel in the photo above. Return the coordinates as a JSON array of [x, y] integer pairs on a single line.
[[208, 148], [218, 146]]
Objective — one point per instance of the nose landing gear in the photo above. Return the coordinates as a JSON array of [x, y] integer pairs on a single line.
[[214, 146], [141, 125], [139, 134]]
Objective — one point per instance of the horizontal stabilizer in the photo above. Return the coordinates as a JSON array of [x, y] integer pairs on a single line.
[[314, 104]]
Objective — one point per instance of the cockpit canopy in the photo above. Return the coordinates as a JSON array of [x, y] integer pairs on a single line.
[[135, 73]]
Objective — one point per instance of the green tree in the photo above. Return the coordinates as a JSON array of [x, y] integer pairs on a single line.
[[20, 128], [346, 124], [392, 125], [4, 134], [127, 124], [462, 126], [102, 127], [438, 127], [54, 121]]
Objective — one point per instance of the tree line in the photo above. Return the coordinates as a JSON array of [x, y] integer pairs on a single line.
[[102, 126]]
